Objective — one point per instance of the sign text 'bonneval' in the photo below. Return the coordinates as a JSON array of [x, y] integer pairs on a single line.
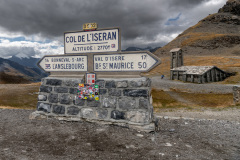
[[63, 63], [107, 40]]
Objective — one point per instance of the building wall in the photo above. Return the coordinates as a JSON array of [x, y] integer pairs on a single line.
[[213, 75], [176, 59]]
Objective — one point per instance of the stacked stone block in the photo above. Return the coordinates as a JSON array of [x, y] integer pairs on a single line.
[[236, 95], [121, 100]]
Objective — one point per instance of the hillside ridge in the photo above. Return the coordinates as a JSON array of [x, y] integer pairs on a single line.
[[216, 34]]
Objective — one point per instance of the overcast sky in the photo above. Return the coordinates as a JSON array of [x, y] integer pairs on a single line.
[[36, 27]]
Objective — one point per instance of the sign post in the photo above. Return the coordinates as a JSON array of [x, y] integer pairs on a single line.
[[79, 87]]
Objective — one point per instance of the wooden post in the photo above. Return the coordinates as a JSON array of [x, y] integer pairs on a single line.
[[220, 76], [171, 75], [184, 77], [203, 79], [199, 79], [192, 78], [208, 77], [213, 75], [177, 65], [217, 75]]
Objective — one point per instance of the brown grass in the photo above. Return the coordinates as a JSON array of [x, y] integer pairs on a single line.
[[162, 101], [19, 95], [194, 37], [209, 100]]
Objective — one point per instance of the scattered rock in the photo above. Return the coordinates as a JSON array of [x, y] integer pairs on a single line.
[[130, 146], [139, 135], [162, 154], [168, 144], [188, 146], [172, 130]]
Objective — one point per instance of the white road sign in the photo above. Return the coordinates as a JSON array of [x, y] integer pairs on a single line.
[[63, 63], [142, 62], [107, 40]]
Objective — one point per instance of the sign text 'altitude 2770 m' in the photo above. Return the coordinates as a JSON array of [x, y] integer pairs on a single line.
[[92, 41]]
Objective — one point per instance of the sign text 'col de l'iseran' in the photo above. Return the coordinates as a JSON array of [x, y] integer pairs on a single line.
[[106, 40]]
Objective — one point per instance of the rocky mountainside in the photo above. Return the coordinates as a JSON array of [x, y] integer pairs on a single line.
[[142, 49], [217, 34], [12, 72], [29, 61]]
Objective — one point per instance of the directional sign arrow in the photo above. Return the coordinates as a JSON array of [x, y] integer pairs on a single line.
[[51, 63], [125, 62]]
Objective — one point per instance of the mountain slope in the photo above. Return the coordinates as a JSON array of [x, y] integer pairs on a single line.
[[12, 72], [29, 62], [141, 49], [217, 34]]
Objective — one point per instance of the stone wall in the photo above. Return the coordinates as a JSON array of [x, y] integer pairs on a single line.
[[236, 95], [125, 102]]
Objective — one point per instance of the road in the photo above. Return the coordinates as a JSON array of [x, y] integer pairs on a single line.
[[166, 85], [180, 139]]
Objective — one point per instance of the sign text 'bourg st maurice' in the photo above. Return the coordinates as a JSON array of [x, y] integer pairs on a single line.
[[92, 41], [124, 62]]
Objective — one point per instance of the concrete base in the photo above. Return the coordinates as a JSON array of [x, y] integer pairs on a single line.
[[143, 127]]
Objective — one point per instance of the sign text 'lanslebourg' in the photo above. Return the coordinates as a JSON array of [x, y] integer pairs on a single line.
[[92, 41], [64, 63]]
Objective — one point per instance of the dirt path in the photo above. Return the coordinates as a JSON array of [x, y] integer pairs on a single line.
[[177, 97], [166, 85], [231, 114]]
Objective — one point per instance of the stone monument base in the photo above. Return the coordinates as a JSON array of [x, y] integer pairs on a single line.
[[122, 102]]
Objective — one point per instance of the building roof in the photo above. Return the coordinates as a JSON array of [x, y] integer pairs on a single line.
[[175, 49], [197, 70]]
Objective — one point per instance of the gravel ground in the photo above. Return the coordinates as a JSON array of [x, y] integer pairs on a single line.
[[231, 114], [166, 85], [185, 139]]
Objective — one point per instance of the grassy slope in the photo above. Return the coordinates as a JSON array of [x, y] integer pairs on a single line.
[[19, 95], [162, 100]]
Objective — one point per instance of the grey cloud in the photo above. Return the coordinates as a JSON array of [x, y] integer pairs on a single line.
[[12, 51], [50, 18]]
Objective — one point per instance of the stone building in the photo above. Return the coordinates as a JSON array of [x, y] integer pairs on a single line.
[[177, 58], [197, 74]]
